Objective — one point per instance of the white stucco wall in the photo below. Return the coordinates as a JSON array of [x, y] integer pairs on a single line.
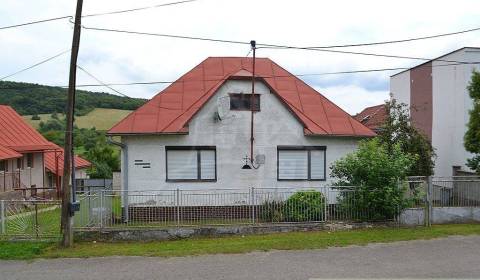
[[400, 87], [274, 125], [451, 104], [33, 176]]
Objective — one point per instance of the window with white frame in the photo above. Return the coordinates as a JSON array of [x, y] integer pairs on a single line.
[[301, 163], [191, 163]]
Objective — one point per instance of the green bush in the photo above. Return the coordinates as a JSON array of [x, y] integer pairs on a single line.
[[272, 211], [35, 117], [375, 172], [304, 206]]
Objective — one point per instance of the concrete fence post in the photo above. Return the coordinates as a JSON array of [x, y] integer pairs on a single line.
[[252, 204], [2, 217], [177, 206], [428, 202], [101, 208]]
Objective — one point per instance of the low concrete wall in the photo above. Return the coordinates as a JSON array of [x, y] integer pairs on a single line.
[[412, 217], [144, 234], [449, 215], [441, 215]]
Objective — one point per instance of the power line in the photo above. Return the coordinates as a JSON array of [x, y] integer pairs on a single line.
[[97, 14], [261, 45], [399, 40], [139, 9], [35, 65], [223, 79], [102, 83]]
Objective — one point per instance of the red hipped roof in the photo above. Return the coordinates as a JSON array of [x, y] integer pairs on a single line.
[[6, 153], [172, 109], [373, 117], [51, 163], [17, 135]]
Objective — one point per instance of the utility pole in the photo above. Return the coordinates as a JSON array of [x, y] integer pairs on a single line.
[[252, 103], [67, 205]]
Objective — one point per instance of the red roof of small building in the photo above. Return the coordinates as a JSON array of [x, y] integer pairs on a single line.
[[16, 134], [373, 117], [171, 110], [6, 153], [51, 163]]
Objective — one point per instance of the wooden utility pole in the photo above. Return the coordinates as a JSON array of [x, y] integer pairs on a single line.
[[67, 211]]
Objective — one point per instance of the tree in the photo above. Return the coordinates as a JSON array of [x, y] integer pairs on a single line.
[[472, 135], [105, 159], [398, 130], [376, 171]]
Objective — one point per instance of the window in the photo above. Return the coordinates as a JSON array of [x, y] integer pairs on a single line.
[[3, 165], [19, 163], [30, 160], [242, 102], [187, 163], [301, 163]]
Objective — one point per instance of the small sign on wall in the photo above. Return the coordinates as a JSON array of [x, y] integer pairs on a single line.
[[141, 163]]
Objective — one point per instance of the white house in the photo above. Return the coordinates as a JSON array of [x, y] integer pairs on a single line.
[[436, 93], [196, 133]]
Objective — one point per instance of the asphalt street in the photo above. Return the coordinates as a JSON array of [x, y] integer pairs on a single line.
[[453, 257]]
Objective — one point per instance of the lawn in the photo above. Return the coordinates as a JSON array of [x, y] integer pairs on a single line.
[[232, 244], [100, 118]]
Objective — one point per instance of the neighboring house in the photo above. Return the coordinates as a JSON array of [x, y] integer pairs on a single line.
[[27, 159], [22, 151], [436, 93], [196, 133], [54, 168], [373, 117]]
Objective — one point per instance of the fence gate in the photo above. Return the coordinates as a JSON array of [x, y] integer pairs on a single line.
[[31, 219]]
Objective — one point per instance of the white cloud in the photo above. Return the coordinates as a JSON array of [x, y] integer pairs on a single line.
[[352, 98], [128, 58]]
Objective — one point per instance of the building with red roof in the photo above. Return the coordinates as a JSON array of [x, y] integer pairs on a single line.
[[198, 130], [54, 167], [373, 117], [25, 155]]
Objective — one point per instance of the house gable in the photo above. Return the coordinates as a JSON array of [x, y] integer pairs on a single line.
[[171, 111]]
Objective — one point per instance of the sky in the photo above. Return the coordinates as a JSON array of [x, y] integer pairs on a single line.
[[124, 58]]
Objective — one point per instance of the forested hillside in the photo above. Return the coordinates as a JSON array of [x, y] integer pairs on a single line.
[[32, 99]]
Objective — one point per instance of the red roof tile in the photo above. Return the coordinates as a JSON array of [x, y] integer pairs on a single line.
[[51, 164], [172, 109], [18, 135], [6, 153], [372, 117]]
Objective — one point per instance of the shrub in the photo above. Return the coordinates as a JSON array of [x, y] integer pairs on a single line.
[[272, 211], [35, 117], [375, 172], [304, 206]]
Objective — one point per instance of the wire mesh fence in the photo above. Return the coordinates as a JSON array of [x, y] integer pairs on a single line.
[[179, 207], [30, 219]]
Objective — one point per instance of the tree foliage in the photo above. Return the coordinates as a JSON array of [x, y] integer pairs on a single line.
[[93, 143], [398, 130], [472, 135], [376, 171], [30, 99]]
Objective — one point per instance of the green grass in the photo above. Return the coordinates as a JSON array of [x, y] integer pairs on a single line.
[[45, 224], [100, 118], [233, 244]]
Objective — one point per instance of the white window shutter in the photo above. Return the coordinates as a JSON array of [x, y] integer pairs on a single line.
[[292, 165], [182, 164], [317, 165], [207, 164]]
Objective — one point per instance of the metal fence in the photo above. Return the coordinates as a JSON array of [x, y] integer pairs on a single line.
[[30, 219], [179, 207]]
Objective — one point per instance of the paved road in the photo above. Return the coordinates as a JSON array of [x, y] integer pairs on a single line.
[[453, 257]]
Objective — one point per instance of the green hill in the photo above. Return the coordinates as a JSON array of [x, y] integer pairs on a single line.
[[100, 118], [31, 99]]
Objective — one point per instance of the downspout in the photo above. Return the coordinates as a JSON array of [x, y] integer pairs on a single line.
[[124, 170]]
